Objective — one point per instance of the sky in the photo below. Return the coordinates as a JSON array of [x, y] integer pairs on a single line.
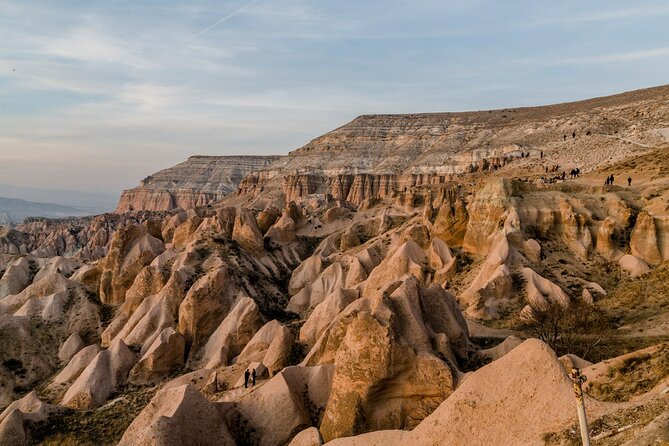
[[96, 95]]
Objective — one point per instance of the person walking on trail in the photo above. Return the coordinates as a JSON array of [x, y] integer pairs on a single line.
[[246, 378], [253, 377], [629, 181], [564, 137], [573, 135]]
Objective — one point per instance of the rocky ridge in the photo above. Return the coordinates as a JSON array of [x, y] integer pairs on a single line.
[[378, 156]]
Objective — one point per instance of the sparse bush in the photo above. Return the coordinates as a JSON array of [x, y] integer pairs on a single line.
[[14, 366], [577, 328]]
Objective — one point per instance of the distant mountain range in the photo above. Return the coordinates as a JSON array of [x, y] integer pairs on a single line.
[[19, 202], [103, 202], [15, 210]]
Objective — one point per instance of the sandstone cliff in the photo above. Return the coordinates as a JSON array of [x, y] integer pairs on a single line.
[[195, 182], [378, 156]]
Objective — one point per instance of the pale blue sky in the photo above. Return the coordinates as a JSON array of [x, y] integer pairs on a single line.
[[95, 95]]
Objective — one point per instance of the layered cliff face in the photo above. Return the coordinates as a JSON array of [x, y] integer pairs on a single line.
[[379, 156], [374, 156], [195, 182]]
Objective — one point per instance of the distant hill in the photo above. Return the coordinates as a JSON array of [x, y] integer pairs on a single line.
[[96, 202], [14, 210]]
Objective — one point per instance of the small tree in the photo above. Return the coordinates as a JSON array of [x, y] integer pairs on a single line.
[[576, 328]]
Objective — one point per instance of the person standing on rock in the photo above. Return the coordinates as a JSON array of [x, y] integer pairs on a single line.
[[629, 181], [611, 179], [246, 378], [253, 377]]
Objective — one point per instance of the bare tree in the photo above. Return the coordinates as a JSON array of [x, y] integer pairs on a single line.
[[576, 328]]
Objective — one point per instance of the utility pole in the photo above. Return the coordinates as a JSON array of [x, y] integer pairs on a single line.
[[577, 379]]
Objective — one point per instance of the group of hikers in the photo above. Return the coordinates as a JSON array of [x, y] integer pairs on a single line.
[[560, 177], [574, 173], [573, 135], [610, 179], [252, 376]]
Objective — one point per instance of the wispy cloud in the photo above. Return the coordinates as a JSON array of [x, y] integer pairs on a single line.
[[608, 58], [149, 97], [90, 45], [577, 16], [618, 57]]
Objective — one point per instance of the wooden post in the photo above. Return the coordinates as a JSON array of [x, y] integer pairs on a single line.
[[577, 379]]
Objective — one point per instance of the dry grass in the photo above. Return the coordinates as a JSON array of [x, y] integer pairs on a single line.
[[638, 300], [636, 416], [103, 426], [633, 376]]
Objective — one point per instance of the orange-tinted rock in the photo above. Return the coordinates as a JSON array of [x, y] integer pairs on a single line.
[[131, 249]]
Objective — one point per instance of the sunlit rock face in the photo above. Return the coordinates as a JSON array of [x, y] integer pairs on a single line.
[[195, 182]]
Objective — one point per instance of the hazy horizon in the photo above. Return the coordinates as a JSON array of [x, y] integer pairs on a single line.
[[96, 96]]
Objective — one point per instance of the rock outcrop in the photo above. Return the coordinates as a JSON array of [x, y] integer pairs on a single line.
[[633, 266], [286, 404], [234, 333], [271, 346], [14, 420], [77, 365], [16, 277], [331, 279], [491, 288], [541, 291], [643, 242], [108, 370], [206, 304], [575, 231], [527, 383], [177, 416], [72, 345], [131, 249], [605, 244], [165, 354], [487, 214], [389, 339]]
